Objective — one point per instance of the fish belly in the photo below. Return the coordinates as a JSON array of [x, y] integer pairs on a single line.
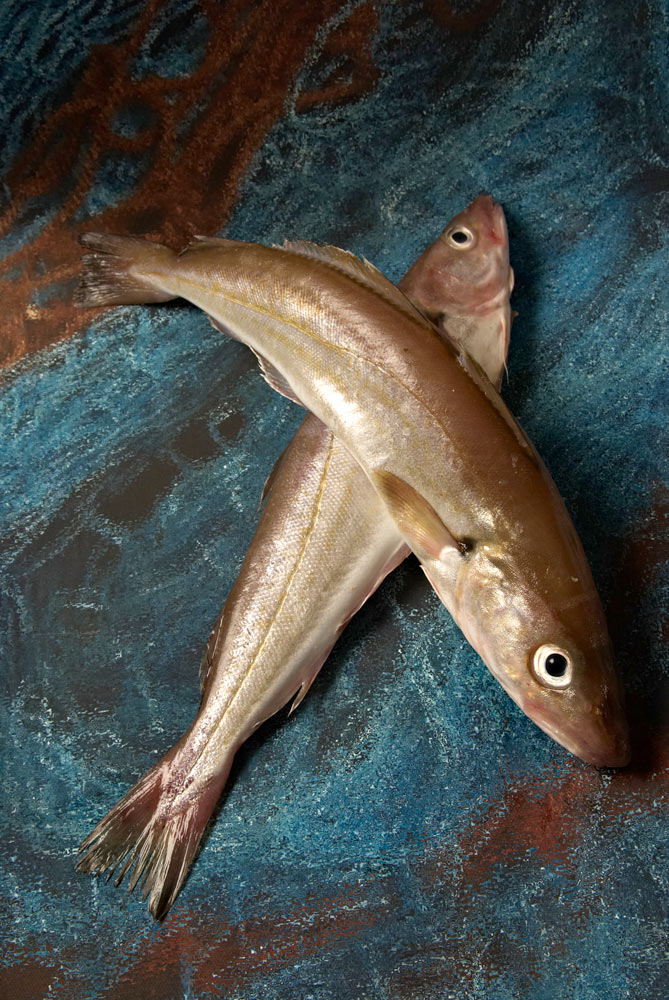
[[323, 544]]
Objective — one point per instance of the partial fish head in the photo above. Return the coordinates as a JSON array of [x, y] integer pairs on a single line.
[[475, 260], [466, 270], [544, 637], [532, 613], [463, 282]]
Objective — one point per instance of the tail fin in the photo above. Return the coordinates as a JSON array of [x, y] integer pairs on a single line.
[[141, 833], [112, 274]]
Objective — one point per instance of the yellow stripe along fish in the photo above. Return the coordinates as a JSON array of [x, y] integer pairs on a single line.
[[444, 463]]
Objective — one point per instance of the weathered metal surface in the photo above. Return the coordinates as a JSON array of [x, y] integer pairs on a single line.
[[407, 833]]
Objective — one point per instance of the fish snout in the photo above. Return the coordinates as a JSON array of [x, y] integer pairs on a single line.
[[490, 217], [602, 737], [597, 735], [608, 740]]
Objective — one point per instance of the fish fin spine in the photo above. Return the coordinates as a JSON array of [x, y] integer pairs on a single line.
[[272, 375], [361, 271], [139, 834], [111, 273]]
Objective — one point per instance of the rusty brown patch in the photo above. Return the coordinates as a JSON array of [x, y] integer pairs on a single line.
[[226, 957], [192, 174], [536, 822], [27, 980], [345, 65]]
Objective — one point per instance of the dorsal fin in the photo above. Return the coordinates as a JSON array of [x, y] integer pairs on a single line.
[[361, 270], [204, 242], [474, 370]]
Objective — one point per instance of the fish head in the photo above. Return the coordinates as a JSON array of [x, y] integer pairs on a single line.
[[474, 267], [463, 283], [466, 270], [547, 643]]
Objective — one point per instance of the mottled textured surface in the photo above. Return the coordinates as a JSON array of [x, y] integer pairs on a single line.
[[407, 833]]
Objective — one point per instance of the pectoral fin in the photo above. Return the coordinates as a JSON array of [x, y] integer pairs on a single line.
[[416, 518]]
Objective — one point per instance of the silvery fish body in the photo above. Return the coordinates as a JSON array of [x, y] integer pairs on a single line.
[[456, 472], [326, 539], [324, 542]]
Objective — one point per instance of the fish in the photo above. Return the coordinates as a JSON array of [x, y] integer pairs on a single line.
[[301, 582], [458, 475], [455, 471]]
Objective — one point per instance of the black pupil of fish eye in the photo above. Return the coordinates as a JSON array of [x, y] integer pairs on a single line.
[[459, 237], [556, 665]]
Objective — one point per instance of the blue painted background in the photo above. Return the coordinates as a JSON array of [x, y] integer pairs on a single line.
[[408, 833]]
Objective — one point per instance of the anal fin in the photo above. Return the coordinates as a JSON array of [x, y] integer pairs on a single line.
[[306, 684], [302, 690], [271, 479], [271, 374], [277, 381]]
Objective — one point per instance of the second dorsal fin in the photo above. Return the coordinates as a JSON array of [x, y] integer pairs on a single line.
[[204, 242], [360, 270]]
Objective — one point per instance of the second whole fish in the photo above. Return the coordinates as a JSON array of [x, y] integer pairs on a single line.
[[454, 470], [323, 544]]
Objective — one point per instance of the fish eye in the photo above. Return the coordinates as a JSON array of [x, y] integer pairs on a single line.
[[552, 666], [461, 238]]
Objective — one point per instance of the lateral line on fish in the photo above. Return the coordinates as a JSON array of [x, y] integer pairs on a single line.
[[284, 597], [312, 336]]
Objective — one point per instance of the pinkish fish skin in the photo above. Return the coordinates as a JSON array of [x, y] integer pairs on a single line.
[[461, 480], [323, 544], [465, 487]]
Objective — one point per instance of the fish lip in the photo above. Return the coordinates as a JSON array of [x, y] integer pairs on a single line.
[[604, 749], [613, 756], [496, 222]]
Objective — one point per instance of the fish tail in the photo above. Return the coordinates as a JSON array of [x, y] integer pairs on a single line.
[[144, 834], [113, 271]]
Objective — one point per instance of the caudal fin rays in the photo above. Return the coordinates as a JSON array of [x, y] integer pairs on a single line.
[[111, 273], [142, 837]]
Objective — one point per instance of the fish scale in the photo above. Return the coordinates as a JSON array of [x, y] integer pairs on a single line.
[[424, 449]]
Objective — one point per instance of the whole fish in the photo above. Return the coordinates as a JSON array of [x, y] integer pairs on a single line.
[[458, 475], [455, 471], [323, 544]]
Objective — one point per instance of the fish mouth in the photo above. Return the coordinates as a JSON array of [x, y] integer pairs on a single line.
[[595, 743], [492, 216]]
